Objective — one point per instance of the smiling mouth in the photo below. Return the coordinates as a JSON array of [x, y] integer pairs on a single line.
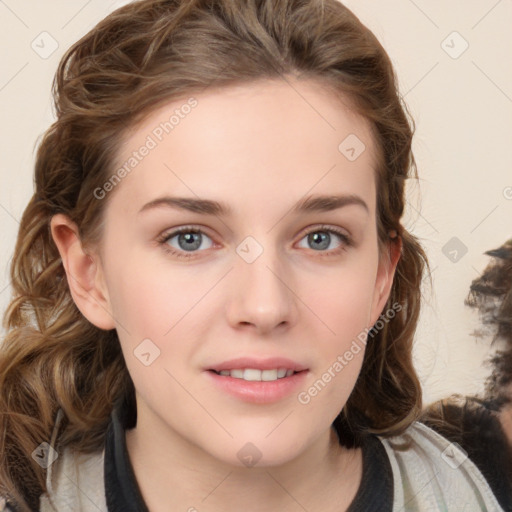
[[256, 375]]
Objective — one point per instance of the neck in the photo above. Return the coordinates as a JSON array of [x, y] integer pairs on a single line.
[[324, 477]]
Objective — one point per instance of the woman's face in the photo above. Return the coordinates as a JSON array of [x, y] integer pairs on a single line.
[[262, 269]]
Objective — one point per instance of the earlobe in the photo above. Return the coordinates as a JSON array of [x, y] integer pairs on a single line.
[[83, 273]]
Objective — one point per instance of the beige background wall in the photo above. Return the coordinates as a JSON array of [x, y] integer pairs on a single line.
[[454, 67]]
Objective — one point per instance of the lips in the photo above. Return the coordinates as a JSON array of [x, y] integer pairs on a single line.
[[257, 392], [271, 363]]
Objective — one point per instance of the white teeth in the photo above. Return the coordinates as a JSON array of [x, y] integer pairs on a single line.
[[269, 375], [252, 374]]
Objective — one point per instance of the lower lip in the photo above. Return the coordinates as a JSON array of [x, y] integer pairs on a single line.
[[259, 392]]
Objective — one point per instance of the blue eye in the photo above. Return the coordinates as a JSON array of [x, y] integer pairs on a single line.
[[320, 239], [187, 241]]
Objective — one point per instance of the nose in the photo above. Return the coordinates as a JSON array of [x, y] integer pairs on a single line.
[[261, 295]]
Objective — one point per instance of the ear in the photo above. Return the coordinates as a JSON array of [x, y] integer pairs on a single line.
[[84, 273], [385, 274]]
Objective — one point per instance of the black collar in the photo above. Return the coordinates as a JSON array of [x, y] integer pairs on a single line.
[[123, 494]]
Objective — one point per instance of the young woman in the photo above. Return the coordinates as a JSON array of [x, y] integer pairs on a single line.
[[215, 297]]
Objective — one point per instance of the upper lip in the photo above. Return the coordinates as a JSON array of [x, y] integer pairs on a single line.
[[261, 364]]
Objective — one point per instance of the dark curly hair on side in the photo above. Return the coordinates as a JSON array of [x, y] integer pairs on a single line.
[[491, 293], [473, 421]]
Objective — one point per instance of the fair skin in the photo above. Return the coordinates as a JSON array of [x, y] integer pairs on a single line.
[[258, 148]]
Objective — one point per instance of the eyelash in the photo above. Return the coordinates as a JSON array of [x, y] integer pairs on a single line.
[[162, 240]]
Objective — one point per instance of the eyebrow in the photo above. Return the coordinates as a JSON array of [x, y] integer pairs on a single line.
[[319, 203]]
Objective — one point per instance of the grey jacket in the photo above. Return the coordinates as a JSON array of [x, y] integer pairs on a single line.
[[432, 475]]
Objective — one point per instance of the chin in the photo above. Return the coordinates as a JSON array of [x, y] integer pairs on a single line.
[[255, 451]]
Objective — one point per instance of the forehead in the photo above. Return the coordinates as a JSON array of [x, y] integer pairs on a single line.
[[267, 137]]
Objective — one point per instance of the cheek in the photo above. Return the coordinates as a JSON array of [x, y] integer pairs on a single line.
[[344, 308], [164, 309], [150, 300], [342, 299]]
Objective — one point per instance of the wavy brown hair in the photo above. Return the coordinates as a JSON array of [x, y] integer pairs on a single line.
[[138, 58]]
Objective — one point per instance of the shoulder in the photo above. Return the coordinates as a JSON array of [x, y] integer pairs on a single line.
[[431, 473], [475, 425], [75, 481]]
